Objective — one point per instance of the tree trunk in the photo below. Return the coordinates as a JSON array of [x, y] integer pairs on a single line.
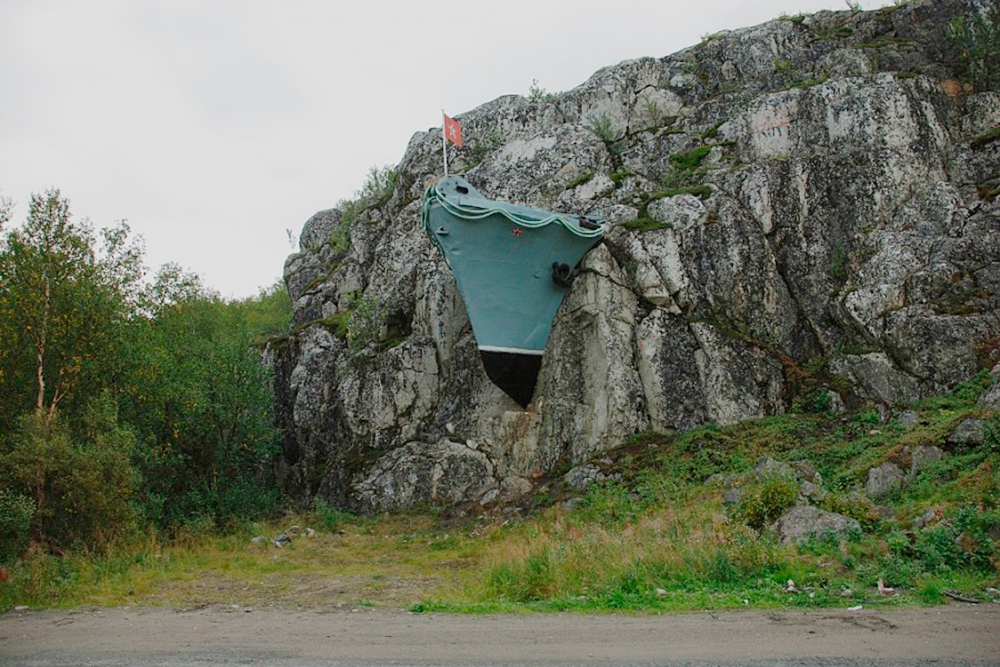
[[40, 348]]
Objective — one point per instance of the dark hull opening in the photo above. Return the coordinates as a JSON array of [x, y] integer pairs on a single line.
[[516, 374]]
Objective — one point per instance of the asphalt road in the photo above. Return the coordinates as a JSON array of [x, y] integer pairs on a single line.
[[939, 636]]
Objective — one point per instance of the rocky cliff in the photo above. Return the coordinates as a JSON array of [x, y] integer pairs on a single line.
[[802, 214]]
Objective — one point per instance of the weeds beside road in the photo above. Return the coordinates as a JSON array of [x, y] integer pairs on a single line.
[[659, 537]]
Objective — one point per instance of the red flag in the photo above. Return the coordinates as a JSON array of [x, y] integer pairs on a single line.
[[453, 131]]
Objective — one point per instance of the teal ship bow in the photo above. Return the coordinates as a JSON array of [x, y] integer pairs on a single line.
[[513, 266]]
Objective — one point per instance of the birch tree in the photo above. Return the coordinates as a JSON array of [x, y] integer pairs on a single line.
[[63, 306]]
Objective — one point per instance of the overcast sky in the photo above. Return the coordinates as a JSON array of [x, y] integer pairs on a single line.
[[213, 127]]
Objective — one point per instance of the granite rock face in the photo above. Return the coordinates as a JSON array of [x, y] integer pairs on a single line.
[[798, 211], [804, 521], [884, 480]]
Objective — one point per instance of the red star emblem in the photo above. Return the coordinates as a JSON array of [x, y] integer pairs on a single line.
[[516, 232]]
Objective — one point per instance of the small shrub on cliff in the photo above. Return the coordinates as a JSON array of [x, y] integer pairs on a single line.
[[601, 125], [538, 94], [378, 186], [340, 237], [978, 44], [364, 327]]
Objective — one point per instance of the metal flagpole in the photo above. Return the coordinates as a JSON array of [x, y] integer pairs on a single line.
[[444, 141]]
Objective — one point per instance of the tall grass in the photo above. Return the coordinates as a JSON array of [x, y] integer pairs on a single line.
[[660, 538], [689, 548]]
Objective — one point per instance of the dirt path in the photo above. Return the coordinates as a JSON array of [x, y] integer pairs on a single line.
[[954, 634]]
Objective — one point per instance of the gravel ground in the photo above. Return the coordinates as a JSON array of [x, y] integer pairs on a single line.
[[228, 635]]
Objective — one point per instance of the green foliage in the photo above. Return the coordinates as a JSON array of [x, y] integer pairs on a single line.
[[854, 505], [782, 67], [811, 383], [978, 44], [16, 514], [82, 490], [838, 263], [656, 538], [66, 302], [840, 31], [337, 323], [40, 580], [365, 326], [340, 237], [601, 125], [374, 192], [793, 18], [816, 401], [986, 138], [713, 131], [611, 504], [538, 94], [329, 517], [686, 174], [6, 206], [124, 406], [580, 180], [644, 224], [964, 395], [203, 407], [267, 314], [690, 160], [378, 187], [480, 148], [809, 82], [764, 501], [962, 541], [619, 177], [652, 109]]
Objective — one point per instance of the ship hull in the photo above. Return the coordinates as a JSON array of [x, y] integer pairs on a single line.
[[513, 266]]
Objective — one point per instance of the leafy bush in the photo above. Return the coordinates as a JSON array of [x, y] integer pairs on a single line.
[[82, 491], [978, 44], [40, 579], [340, 237], [815, 401], [16, 513], [854, 505], [538, 94], [963, 541], [894, 569], [378, 186], [204, 409], [764, 501], [364, 327]]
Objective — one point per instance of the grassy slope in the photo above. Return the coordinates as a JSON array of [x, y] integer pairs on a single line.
[[660, 538]]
